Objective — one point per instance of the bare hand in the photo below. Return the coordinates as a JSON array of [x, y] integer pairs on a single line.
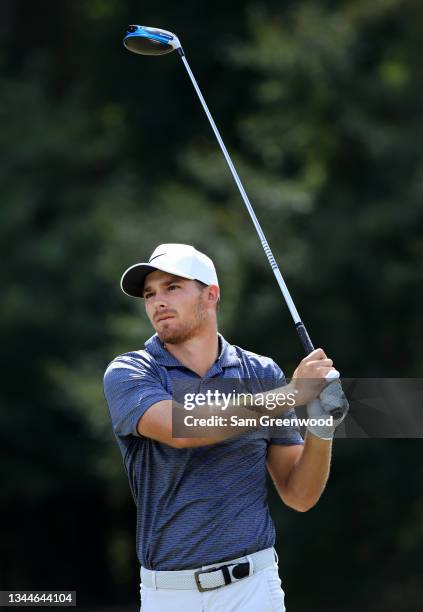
[[309, 378]]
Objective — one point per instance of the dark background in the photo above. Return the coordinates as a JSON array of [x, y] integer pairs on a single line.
[[104, 155]]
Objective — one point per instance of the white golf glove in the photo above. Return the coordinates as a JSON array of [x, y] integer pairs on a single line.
[[331, 398]]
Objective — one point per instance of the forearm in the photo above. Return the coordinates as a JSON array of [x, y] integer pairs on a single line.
[[308, 477], [212, 423]]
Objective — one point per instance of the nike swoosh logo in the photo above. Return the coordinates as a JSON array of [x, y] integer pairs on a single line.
[[159, 255]]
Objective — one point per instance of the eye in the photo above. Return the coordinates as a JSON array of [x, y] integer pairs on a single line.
[[147, 295], [173, 286]]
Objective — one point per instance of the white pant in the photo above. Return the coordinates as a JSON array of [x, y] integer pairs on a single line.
[[260, 592]]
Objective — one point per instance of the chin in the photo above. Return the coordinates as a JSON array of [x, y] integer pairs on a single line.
[[170, 337], [173, 335], [167, 333]]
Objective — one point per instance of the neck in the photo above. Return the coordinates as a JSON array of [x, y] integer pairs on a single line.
[[198, 353]]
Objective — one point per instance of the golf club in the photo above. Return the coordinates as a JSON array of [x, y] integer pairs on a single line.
[[145, 40]]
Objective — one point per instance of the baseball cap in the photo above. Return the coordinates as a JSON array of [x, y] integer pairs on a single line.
[[179, 259]]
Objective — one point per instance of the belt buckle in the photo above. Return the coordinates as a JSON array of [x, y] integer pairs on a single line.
[[207, 571]]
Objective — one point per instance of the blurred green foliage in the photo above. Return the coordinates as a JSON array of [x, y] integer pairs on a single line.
[[104, 156]]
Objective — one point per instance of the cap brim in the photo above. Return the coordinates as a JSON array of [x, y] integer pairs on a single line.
[[132, 281]]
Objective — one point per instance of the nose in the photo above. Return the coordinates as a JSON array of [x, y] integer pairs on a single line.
[[157, 302]]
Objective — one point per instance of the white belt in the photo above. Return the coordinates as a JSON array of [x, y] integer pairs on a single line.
[[209, 577]]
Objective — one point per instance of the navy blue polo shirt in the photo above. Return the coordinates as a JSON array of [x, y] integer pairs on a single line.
[[195, 506]]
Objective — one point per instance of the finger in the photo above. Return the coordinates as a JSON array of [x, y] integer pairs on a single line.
[[323, 363], [328, 374], [324, 372], [332, 374], [317, 354]]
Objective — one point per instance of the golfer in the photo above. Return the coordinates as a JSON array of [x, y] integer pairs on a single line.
[[204, 534]]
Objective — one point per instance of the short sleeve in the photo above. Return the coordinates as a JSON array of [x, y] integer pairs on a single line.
[[288, 435], [131, 385]]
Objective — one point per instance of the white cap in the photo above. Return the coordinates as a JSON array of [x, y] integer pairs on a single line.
[[179, 259]]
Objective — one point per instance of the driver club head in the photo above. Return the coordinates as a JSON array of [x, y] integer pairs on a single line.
[[150, 41]]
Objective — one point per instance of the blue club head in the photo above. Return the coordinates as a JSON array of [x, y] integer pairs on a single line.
[[150, 41]]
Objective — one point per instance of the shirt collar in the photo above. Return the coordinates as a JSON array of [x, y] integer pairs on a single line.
[[227, 357]]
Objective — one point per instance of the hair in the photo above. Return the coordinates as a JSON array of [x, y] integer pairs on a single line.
[[202, 286], [200, 283]]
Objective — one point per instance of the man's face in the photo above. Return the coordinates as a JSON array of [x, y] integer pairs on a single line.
[[178, 308]]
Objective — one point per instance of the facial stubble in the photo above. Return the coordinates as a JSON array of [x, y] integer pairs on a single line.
[[187, 329]]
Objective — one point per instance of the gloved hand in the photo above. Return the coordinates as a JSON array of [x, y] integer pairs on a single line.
[[331, 398]]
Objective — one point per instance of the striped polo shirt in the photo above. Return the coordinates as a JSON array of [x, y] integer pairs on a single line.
[[195, 506]]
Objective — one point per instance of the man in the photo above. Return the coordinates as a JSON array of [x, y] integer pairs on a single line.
[[204, 534]]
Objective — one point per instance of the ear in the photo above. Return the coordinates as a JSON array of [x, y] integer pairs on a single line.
[[212, 293]]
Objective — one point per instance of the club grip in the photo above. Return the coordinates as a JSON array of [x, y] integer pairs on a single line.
[[309, 348], [304, 337]]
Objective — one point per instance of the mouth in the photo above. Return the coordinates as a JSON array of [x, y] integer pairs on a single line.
[[164, 318]]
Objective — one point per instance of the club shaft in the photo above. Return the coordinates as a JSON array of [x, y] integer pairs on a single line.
[[301, 330]]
